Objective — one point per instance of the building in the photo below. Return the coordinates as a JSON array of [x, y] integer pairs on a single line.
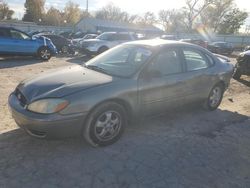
[[94, 25], [31, 26]]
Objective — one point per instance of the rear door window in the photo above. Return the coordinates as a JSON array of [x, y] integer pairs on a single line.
[[195, 60], [168, 62]]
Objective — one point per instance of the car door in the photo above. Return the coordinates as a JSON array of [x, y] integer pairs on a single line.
[[112, 40], [162, 85], [22, 43], [198, 73], [122, 37], [5, 40]]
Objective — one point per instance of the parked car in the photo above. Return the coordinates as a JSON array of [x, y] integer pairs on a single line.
[[66, 34], [97, 99], [242, 66], [247, 48], [168, 37], [199, 42], [62, 44], [221, 48], [78, 41], [16, 42], [77, 35], [105, 41]]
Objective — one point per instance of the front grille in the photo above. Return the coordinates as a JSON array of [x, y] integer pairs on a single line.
[[20, 97]]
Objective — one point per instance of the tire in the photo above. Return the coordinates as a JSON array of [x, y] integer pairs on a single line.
[[65, 49], [44, 53], [105, 124], [102, 49], [214, 98], [237, 74]]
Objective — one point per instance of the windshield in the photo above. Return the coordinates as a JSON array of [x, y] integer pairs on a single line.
[[106, 36], [121, 61]]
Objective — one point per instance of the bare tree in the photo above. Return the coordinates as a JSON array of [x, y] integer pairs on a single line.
[[148, 18], [193, 9], [53, 17], [114, 13], [72, 12]]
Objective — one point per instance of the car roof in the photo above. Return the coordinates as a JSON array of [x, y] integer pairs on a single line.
[[7, 27], [159, 42], [220, 42]]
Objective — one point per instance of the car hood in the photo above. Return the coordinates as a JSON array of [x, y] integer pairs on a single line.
[[62, 82], [245, 53], [93, 40], [41, 38]]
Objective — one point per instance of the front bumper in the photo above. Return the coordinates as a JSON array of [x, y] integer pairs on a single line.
[[90, 50], [46, 126]]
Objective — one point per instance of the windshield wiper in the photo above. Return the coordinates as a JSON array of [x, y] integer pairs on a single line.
[[96, 68]]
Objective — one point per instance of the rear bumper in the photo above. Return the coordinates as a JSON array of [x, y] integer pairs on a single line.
[[46, 126]]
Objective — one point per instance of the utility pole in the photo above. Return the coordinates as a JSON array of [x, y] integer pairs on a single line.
[[87, 6]]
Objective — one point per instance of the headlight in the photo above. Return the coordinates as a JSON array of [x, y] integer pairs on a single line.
[[48, 106]]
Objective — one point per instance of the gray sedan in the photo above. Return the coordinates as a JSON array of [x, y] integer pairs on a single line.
[[97, 99]]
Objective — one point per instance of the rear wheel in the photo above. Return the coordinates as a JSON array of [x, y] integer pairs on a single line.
[[214, 98], [105, 124], [44, 53]]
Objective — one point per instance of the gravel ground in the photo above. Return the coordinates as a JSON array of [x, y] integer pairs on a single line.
[[186, 148]]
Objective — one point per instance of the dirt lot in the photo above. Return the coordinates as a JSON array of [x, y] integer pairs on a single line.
[[187, 148]]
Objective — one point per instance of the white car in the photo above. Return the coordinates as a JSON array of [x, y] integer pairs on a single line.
[[77, 42], [106, 41]]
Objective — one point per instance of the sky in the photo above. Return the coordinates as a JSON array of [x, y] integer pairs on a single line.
[[131, 6]]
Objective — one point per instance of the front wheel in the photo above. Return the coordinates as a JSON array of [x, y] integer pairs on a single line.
[[65, 49], [214, 98], [44, 53], [237, 74], [105, 124]]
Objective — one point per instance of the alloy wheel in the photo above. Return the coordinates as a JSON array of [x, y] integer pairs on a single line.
[[107, 125]]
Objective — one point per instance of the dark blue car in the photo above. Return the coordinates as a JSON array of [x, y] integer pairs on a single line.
[[16, 42]]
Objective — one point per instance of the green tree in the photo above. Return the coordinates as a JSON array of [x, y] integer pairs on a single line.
[[72, 13], [34, 10], [5, 12], [232, 21]]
